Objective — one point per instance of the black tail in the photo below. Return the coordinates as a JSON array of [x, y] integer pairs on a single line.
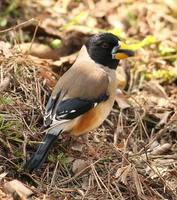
[[41, 154]]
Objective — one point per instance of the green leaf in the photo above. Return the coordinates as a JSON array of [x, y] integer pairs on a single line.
[[6, 100], [63, 159], [12, 6], [118, 32], [166, 50], [74, 21], [3, 21], [55, 44], [162, 74], [147, 41]]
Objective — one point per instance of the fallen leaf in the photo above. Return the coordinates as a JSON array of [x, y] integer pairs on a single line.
[[155, 88], [122, 100], [137, 182], [5, 49], [17, 188], [4, 83], [121, 78], [48, 76], [4, 196], [3, 175], [162, 149], [122, 173], [38, 50], [77, 147], [163, 117], [105, 7], [79, 165], [154, 145]]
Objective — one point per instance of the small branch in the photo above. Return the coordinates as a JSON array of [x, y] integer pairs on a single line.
[[23, 24]]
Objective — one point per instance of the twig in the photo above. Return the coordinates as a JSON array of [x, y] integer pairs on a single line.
[[23, 24], [22, 118], [54, 175], [16, 166], [159, 134], [98, 179], [156, 171], [34, 35], [78, 174]]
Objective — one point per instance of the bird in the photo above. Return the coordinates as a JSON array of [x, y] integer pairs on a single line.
[[84, 96]]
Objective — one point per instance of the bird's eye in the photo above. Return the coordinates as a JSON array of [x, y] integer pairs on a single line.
[[105, 45]]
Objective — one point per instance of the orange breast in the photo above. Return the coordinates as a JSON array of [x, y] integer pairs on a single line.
[[92, 119], [86, 122]]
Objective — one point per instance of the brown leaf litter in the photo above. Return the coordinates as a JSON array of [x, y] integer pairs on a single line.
[[133, 154]]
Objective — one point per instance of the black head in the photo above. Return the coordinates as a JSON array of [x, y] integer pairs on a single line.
[[102, 48]]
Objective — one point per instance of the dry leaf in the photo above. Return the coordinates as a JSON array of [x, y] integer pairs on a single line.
[[156, 171], [154, 145], [85, 183], [155, 88], [137, 182], [4, 48], [162, 149], [48, 76], [122, 173], [77, 147], [122, 99], [105, 7], [163, 118], [4, 83], [3, 175], [17, 188], [121, 146], [79, 144], [79, 165], [121, 78], [66, 60], [4, 196], [38, 50]]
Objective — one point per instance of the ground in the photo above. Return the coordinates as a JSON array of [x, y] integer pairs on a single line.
[[133, 155]]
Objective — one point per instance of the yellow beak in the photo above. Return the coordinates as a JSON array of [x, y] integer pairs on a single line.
[[122, 51]]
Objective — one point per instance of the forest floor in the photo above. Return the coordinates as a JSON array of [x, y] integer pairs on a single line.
[[133, 155]]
